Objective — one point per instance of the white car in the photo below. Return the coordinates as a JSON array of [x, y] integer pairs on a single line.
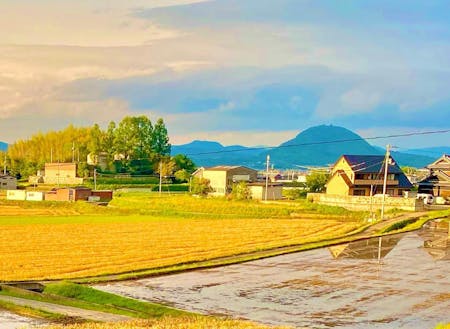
[[427, 198]]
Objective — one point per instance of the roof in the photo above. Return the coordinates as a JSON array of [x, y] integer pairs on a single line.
[[226, 168], [7, 176], [371, 164]]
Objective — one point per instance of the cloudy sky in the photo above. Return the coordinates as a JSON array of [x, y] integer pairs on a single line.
[[250, 72]]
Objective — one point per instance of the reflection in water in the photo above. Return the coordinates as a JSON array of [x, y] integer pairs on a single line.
[[436, 240], [350, 290], [365, 249]]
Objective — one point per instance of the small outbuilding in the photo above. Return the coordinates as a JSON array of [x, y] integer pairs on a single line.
[[258, 191], [8, 182]]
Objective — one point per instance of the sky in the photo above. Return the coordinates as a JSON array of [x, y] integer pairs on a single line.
[[248, 72]]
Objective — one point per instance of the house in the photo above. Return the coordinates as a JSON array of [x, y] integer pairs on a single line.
[[8, 182], [58, 173], [363, 175], [437, 182], [222, 178]]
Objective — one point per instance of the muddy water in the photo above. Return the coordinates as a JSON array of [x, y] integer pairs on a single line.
[[403, 284], [13, 321]]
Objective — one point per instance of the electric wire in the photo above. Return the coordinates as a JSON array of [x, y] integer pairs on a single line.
[[324, 142]]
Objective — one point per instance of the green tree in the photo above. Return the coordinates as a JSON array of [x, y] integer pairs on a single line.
[[241, 191], [182, 175], [160, 138], [133, 137], [200, 186], [165, 166], [183, 162], [316, 181]]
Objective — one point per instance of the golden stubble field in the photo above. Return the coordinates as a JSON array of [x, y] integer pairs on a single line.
[[41, 246]]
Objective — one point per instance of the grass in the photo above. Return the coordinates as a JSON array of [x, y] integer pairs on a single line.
[[123, 305], [414, 224], [145, 232], [83, 297], [198, 322]]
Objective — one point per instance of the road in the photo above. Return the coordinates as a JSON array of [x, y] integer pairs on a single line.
[[66, 310]]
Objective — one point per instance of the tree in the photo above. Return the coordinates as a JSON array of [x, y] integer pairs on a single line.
[[165, 166], [316, 181], [200, 186], [241, 191], [183, 162], [182, 175], [160, 138], [133, 137]]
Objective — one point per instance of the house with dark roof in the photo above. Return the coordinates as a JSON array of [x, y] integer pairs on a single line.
[[437, 182], [222, 178], [364, 175]]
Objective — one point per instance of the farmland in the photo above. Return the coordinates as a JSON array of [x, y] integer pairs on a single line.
[[146, 231]]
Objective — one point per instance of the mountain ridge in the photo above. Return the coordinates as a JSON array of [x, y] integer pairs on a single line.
[[316, 146]]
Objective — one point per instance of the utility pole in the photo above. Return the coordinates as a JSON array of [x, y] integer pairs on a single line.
[[267, 176], [160, 177], [386, 166], [4, 166], [95, 179], [73, 152]]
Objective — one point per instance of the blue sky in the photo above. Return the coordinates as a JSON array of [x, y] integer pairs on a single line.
[[253, 72]]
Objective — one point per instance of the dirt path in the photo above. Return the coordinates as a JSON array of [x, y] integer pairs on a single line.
[[66, 310]]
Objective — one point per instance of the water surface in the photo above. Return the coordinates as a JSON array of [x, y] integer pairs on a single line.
[[403, 284]]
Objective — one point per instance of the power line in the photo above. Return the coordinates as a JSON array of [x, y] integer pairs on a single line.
[[325, 142]]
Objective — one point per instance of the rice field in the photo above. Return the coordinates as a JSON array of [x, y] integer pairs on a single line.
[[140, 232]]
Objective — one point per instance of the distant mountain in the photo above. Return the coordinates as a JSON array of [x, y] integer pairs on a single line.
[[320, 146], [433, 152], [206, 153], [315, 146], [3, 146]]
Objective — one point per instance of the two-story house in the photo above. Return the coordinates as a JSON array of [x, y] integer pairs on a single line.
[[437, 182], [364, 175]]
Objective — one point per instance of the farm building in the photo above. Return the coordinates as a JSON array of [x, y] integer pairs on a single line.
[[258, 191], [222, 178], [58, 173], [8, 182], [77, 193]]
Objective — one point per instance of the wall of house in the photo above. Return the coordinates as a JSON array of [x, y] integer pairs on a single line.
[[35, 196], [336, 185], [8, 183], [363, 203], [16, 195], [217, 180], [61, 170], [258, 192], [341, 164]]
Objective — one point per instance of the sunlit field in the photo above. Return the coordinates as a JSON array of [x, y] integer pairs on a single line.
[[144, 231]]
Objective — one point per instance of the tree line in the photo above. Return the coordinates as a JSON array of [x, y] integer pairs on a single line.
[[134, 146]]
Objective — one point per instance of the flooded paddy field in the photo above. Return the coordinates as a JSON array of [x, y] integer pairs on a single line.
[[13, 321], [402, 282]]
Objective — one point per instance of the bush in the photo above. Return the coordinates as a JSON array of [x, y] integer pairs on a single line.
[[294, 193], [241, 191]]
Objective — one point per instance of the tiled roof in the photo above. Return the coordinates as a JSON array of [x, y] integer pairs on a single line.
[[371, 164]]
